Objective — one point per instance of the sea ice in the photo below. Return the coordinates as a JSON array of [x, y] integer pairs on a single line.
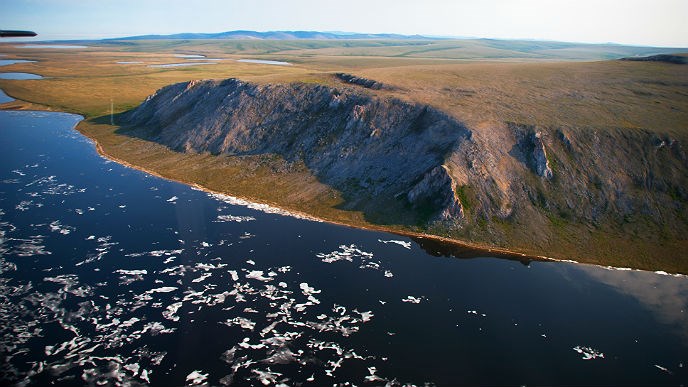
[[400, 243], [588, 353]]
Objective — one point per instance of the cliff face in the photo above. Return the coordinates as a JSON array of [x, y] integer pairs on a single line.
[[502, 184], [365, 146]]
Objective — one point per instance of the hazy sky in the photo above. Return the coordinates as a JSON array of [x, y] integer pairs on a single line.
[[638, 22]]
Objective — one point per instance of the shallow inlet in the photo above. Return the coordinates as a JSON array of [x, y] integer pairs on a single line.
[[7, 62], [19, 76], [53, 46], [262, 61]]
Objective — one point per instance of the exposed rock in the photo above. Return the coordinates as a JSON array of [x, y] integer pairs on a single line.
[[438, 190], [362, 145], [539, 157], [359, 81]]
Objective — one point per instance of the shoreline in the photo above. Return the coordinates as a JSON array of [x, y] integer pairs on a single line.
[[504, 253]]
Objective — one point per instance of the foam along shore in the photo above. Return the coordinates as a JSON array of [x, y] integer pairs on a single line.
[[262, 61]]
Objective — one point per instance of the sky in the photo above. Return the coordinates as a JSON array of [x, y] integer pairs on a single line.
[[635, 22]]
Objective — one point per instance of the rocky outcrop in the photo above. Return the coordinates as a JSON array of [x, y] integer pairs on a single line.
[[539, 157], [437, 189], [359, 81], [366, 147], [502, 183]]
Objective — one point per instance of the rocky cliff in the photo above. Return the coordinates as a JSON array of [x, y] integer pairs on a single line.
[[505, 184]]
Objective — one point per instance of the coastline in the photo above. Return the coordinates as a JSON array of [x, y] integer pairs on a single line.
[[306, 216], [503, 253]]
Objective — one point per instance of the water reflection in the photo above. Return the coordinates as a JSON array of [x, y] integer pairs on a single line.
[[438, 248], [665, 296]]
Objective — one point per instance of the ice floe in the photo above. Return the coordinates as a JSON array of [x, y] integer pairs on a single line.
[[232, 218], [588, 352], [412, 299], [403, 244]]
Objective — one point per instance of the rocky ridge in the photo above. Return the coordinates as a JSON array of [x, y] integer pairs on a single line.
[[490, 184]]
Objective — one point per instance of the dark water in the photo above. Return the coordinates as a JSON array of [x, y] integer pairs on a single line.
[[110, 275]]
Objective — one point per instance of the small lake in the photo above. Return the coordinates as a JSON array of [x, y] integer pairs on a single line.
[[189, 56], [7, 62], [261, 61], [182, 64], [111, 276], [53, 46], [19, 76]]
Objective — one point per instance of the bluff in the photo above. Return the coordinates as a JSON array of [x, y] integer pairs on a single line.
[[559, 192]]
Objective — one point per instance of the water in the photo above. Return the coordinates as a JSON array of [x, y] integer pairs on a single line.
[[4, 98], [182, 64], [189, 56], [7, 62], [111, 275], [19, 76], [53, 46], [261, 61]]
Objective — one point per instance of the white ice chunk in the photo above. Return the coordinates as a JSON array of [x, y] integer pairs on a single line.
[[588, 352], [196, 378], [412, 299], [404, 244]]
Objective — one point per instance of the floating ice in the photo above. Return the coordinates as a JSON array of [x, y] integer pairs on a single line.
[[164, 289], [241, 322], [400, 243], [412, 299], [171, 310], [56, 226], [196, 378], [232, 218], [258, 275], [172, 199], [588, 353]]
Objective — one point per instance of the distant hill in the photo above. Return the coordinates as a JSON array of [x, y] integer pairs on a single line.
[[676, 59], [277, 35]]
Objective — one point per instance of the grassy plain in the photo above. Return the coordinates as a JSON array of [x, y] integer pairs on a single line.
[[480, 82]]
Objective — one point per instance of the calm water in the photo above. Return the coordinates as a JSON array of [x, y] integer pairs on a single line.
[[7, 62], [54, 46], [19, 76], [261, 61], [110, 275], [182, 64]]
